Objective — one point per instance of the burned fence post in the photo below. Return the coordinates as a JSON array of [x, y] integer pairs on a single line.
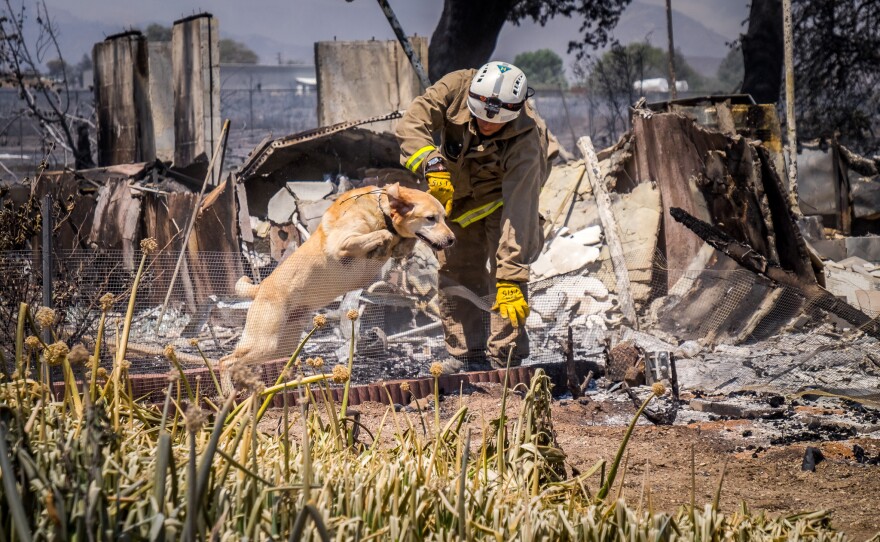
[[195, 58], [789, 108], [47, 227], [609, 225], [46, 258], [570, 371], [673, 92]]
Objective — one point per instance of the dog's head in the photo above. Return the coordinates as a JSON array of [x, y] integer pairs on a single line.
[[419, 214]]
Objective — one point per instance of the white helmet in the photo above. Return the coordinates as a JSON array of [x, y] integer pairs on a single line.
[[498, 92]]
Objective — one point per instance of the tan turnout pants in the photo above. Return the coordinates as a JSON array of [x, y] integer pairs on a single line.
[[473, 335]]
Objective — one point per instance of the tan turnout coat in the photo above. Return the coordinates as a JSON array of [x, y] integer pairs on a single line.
[[506, 170]]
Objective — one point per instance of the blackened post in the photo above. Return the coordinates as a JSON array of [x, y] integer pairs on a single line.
[[791, 132], [404, 42], [673, 91], [570, 370], [47, 257], [47, 226]]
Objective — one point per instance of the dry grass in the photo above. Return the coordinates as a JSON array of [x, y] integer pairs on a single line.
[[97, 465]]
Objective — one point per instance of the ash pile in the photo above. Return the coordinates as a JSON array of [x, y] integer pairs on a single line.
[[716, 274]]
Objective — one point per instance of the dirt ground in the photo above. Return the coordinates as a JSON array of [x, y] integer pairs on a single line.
[[766, 476]]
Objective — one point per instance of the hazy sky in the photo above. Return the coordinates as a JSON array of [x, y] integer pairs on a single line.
[[293, 25]]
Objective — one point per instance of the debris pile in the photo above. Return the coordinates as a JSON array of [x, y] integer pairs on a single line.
[[715, 276]]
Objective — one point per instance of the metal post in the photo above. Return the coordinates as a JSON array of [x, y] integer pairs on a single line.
[[789, 109], [251, 108], [673, 91], [404, 42], [47, 226], [574, 139], [47, 252]]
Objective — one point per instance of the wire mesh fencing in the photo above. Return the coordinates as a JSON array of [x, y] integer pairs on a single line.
[[726, 329]]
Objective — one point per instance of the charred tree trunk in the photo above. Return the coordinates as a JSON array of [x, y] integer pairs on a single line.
[[83, 152], [466, 35], [762, 48]]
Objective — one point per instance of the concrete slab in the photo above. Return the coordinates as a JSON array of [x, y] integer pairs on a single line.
[[844, 283], [361, 79], [311, 190], [638, 221], [561, 182], [830, 249], [817, 191], [281, 207], [866, 198], [866, 248]]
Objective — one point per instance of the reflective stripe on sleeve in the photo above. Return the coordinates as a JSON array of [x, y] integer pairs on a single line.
[[479, 213], [416, 159]]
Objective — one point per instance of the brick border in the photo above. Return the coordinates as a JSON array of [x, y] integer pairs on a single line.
[[150, 387]]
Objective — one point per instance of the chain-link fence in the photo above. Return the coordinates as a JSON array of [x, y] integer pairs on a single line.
[[726, 330]]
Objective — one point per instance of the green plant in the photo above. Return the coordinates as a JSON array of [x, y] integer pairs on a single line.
[[118, 469]]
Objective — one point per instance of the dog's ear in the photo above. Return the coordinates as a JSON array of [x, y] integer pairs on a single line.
[[397, 200]]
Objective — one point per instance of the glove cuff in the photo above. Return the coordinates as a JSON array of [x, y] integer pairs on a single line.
[[506, 284]]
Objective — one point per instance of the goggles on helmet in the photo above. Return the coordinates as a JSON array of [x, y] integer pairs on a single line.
[[494, 104]]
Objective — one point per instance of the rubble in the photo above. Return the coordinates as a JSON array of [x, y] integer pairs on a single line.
[[857, 281], [697, 311], [733, 410], [566, 254]]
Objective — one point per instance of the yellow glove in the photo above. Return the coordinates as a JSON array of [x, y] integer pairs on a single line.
[[440, 186], [510, 303]]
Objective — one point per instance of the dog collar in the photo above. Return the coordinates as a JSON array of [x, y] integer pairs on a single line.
[[389, 224]]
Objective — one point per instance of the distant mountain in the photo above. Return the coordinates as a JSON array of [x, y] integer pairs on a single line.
[[293, 36], [641, 20], [645, 21], [723, 16]]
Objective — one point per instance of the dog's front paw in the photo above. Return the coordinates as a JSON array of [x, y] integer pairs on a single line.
[[382, 245]]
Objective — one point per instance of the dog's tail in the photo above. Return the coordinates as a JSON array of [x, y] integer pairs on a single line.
[[246, 288]]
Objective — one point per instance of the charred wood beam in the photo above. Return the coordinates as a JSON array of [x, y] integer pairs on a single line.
[[868, 167], [609, 228], [657, 416], [817, 297]]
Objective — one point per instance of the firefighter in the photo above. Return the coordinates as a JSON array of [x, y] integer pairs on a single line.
[[485, 154]]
